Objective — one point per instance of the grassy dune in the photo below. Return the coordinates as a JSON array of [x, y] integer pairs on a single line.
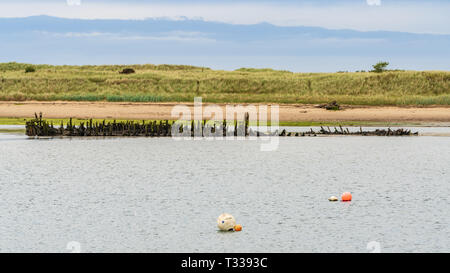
[[176, 83]]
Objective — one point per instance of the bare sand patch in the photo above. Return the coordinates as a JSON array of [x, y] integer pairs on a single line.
[[288, 113]]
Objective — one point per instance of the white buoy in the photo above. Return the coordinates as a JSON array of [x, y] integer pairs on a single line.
[[333, 199], [226, 222]]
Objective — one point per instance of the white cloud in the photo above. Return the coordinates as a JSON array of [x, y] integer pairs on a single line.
[[419, 17], [73, 2], [374, 2], [180, 36]]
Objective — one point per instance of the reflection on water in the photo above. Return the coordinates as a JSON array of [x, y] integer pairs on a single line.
[[161, 195]]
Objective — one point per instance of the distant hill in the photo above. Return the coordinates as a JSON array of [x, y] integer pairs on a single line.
[[44, 39]]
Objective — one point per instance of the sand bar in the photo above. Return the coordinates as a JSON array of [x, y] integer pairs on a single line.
[[288, 113]]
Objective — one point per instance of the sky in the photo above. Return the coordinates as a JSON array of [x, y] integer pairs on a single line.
[[304, 36]]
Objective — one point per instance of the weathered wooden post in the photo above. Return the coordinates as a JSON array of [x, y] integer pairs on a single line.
[[224, 127], [247, 123]]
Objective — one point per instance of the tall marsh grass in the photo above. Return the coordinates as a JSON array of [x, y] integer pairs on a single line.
[[177, 83]]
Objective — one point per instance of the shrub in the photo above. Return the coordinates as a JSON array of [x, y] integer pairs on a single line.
[[30, 69], [127, 71]]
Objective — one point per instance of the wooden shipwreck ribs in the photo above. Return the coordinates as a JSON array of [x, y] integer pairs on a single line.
[[40, 127]]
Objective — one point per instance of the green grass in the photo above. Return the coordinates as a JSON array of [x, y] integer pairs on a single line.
[[12, 131], [57, 122], [177, 83], [12, 121]]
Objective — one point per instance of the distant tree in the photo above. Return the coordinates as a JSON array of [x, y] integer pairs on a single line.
[[30, 69], [380, 67]]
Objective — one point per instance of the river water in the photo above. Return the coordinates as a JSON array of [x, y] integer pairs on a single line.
[[162, 195]]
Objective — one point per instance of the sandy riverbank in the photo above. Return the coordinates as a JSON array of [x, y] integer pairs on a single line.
[[288, 113]]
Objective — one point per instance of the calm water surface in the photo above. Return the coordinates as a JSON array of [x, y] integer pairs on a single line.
[[161, 195]]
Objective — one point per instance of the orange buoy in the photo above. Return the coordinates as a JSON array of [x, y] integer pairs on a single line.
[[346, 197], [237, 227]]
